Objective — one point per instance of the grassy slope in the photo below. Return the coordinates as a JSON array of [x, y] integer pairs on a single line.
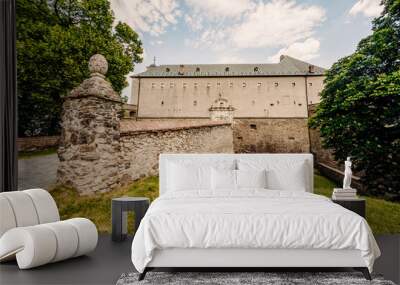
[[383, 216]]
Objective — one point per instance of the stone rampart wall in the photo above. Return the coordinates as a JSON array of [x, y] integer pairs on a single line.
[[271, 135], [140, 149], [37, 143]]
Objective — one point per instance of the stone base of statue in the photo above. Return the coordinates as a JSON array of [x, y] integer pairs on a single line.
[[344, 194]]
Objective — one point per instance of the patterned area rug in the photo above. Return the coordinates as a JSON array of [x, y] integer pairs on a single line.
[[269, 278]]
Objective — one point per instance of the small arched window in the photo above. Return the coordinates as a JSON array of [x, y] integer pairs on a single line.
[[194, 103], [256, 69], [162, 103], [197, 69], [227, 69], [244, 84], [167, 69]]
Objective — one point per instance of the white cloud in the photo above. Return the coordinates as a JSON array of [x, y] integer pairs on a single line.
[[195, 23], [305, 50], [370, 8], [275, 23], [279, 22], [147, 16], [220, 8]]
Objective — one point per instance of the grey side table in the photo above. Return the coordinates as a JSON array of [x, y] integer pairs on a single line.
[[119, 209], [356, 205]]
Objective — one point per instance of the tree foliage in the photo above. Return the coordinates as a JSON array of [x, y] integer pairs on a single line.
[[55, 39], [359, 114]]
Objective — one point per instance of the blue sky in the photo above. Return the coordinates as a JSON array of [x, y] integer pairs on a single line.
[[240, 31]]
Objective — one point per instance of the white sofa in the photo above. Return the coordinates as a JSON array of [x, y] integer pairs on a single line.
[[31, 230]]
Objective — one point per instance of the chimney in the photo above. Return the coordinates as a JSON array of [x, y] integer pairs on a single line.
[[181, 69], [311, 68]]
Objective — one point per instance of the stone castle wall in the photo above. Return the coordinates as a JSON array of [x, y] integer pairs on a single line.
[[37, 143], [140, 147], [271, 135], [255, 97]]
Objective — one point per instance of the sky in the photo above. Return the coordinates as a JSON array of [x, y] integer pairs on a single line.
[[246, 31]]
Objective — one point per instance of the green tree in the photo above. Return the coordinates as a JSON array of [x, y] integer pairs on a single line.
[[55, 39], [359, 114]]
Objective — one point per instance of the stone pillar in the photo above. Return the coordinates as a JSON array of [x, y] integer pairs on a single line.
[[89, 149]]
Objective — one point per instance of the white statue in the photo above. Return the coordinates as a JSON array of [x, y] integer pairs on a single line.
[[347, 174]]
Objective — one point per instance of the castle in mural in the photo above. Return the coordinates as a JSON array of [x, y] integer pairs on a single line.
[[266, 103]]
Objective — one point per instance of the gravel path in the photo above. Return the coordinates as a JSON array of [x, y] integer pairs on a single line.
[[37, 172]]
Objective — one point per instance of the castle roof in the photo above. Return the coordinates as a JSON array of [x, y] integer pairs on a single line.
[[287, 66]]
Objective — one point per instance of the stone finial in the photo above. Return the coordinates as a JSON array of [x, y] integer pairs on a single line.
[[96, 85], [98, 65]]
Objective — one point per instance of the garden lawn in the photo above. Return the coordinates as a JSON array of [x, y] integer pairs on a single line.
[[382, 216]]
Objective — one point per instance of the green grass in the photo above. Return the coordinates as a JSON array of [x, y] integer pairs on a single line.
[[98, 207], [383, 216], [30, 154]]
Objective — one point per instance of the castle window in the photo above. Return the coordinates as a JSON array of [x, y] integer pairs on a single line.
[[197, 69], [244, 84], [218, 84], [194, 103], [231, 84], [276, 84], [272, 104], [195, 85], [300, 104], [153, 85], [208, 85], [184, 85], [162, 103], [227, 69], [293, 84], [171, 85], [259, 84], [162, 85], [256, 69], [309, 83], [167, 69], [253, 126]]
